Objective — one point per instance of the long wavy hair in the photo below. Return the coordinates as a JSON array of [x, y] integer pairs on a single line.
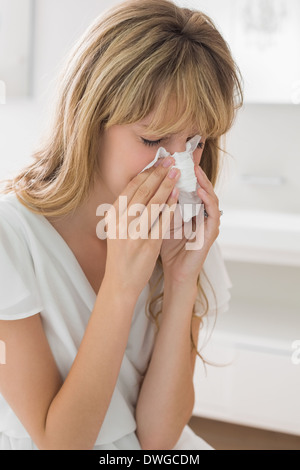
[[131, 61]]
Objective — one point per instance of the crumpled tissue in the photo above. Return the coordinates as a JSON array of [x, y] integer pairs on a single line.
[[188, 199]]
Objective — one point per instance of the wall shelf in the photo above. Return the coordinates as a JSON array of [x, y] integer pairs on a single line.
[[260, 237], [256, 326]]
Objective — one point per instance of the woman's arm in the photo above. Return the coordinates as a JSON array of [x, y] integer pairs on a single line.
[[66, 415], [69, 415], [166, 397]]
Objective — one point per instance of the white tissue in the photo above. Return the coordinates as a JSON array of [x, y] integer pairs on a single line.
[[187, 184]]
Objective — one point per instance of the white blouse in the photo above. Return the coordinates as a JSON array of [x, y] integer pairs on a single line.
[[40, 274]]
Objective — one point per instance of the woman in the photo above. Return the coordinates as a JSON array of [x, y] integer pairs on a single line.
[[86, 365]]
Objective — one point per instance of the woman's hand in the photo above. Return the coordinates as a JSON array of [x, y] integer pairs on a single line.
[[135, 226], [180, 262]]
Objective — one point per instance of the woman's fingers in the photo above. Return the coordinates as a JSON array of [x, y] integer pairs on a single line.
[[160, 220], [150, 185], [149, 199], [211, 203], [140, 188], [204, 181], [162, 195], [144, 199], [212, 223], [157, 212], [152, 195], [207, 194]]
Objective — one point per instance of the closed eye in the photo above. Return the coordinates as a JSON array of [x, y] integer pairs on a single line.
[[151, 143]]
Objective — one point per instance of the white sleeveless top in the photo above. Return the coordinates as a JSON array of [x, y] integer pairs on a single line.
[[40, 274]]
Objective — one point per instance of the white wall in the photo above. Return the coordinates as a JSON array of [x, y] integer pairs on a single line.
[[265, 144], [58, 24], [264, 141]]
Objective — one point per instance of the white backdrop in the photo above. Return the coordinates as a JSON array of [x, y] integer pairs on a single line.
[[264, 36], [264, 142], [15, 45]]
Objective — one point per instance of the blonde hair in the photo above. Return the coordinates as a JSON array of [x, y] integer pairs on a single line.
[[131, 61]]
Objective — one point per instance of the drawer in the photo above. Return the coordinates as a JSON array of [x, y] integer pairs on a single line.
[[256, 388]]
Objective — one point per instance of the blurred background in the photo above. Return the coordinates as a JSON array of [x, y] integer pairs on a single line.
[[253, 401]]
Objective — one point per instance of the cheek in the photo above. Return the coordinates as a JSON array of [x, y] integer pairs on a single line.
[[122, 158], [124, 165], [140, 159]]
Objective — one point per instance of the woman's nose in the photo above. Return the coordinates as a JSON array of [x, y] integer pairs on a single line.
[[176, 146]]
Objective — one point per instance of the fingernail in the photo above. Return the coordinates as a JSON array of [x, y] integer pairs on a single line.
[[175, 192], [167, 162], [173, 173], [158, 162]]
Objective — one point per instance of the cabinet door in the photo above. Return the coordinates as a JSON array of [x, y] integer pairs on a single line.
[[259, 388]]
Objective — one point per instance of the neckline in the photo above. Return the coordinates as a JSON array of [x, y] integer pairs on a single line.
[[74, 263], [81, 272]]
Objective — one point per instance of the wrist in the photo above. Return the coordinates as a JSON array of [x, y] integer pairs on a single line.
[[118, 292], [186, 288], [180, 284], [179, 299]]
